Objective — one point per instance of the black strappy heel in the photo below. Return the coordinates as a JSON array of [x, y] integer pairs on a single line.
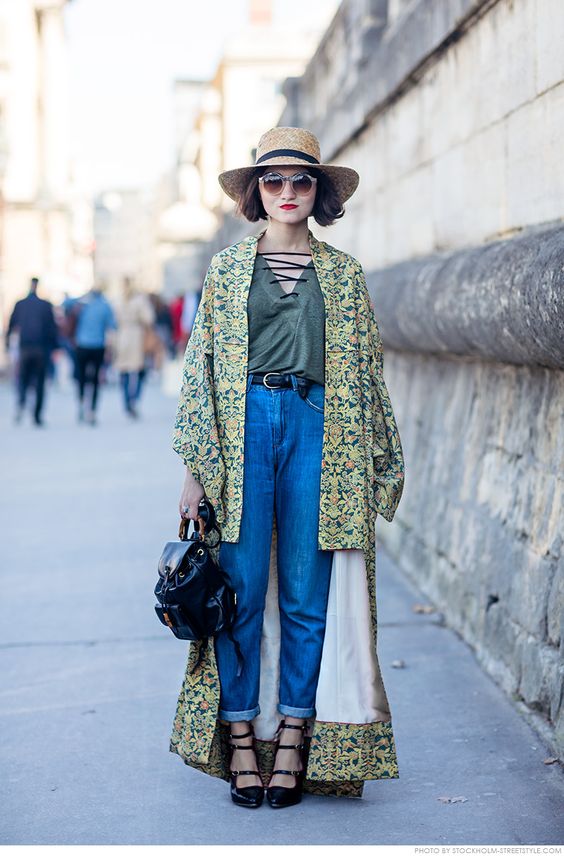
[[250, 797], [280, 797]]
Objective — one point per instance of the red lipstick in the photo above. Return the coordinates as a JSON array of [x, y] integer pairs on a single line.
[[288, 207]]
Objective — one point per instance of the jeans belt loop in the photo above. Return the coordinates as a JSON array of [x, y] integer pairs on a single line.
[[303, 385]]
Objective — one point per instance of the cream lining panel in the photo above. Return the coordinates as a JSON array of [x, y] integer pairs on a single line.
[[350, 687]]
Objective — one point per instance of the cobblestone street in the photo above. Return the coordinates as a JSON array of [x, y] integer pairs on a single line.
[[90, 678]]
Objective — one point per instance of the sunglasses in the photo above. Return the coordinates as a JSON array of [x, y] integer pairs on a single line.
[[301, 182]]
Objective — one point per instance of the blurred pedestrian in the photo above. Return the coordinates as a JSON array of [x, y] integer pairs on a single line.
[[94, 319], [34, 320], [67, 323], [178, 336], [135, 320], [163, 327], [189, 309]]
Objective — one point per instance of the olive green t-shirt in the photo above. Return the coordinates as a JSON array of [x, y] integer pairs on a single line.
[[286, 331]]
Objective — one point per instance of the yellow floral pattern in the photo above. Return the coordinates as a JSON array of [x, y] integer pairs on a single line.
[[362, 476], [362, 462]]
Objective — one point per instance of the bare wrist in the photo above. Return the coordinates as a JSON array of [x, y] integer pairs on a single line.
[[189, 478]]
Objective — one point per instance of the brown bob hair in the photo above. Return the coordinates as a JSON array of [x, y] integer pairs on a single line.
[[326, 209]]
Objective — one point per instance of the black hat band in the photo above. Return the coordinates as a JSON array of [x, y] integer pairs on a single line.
[[292, 153]]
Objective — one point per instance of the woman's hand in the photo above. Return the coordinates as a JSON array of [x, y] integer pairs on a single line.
[[192, 493]]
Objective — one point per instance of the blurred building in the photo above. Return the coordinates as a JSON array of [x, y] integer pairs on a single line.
[[125, 240], [36, 236], [220, 121], [249, 80], [187, 220], [162, 239]]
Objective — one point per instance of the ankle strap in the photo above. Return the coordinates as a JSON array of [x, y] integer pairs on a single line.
[[239, 736], [245, 773], [284, 724]]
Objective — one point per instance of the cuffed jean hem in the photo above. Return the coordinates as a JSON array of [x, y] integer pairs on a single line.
[[238, 715], [298, 712]]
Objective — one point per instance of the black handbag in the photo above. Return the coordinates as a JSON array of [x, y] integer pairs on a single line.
[[195, 599]]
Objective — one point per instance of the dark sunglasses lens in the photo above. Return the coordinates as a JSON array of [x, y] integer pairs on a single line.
[[272, 183], [302, 183]]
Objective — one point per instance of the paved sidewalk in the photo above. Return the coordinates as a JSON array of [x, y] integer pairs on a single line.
[[90, 678]]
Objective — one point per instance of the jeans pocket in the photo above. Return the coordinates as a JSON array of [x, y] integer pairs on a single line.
[[319, 403]]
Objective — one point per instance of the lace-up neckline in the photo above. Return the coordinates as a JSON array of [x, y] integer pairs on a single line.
[[274, 265]]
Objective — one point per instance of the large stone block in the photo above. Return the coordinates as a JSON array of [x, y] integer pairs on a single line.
[[532, 679], [542, 678], [547, 514], [559, 733], [535, 167], [528, 596], [407, 206], [469, 190], [502, 637], [502, 48], [404, 127], [549, 38], [555, 610]]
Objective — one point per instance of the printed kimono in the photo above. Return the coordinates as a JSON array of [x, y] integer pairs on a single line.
[[362, 474]]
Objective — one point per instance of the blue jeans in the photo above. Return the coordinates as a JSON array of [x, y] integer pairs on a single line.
[[282, 472], [131, 384]]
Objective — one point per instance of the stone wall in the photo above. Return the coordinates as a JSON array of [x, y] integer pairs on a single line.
[[453, 113], [481, 521], [453, 116]]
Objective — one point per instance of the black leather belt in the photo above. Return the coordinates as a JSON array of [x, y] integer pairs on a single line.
[[279, 380]]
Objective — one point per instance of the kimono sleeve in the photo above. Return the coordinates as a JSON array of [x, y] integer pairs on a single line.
[[195, 436], [387, 450]]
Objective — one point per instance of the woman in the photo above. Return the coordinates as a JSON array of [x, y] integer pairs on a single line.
[[135, 317], [285, 423]]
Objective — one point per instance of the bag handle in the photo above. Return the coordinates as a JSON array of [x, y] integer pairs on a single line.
[[182, 529], [207, 523]]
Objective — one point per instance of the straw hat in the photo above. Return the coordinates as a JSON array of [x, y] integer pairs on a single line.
[[290, 147]]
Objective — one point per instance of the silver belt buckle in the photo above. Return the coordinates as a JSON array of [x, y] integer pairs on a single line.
[[265, 377]]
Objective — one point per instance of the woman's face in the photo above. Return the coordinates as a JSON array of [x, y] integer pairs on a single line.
[[289, 206]]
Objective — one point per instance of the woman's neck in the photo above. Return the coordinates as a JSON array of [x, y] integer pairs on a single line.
[[285, 237]]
